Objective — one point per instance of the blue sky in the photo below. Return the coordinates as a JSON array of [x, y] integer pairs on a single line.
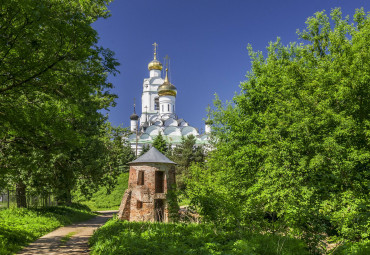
[[206, 41]]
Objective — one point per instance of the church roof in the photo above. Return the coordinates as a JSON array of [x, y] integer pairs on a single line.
[[153, 156]]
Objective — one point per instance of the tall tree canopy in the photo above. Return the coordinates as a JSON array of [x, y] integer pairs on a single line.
[[293, 147], [185, 154], [53, 84]]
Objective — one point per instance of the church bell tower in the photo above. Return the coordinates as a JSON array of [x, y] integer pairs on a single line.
[[150, 98]]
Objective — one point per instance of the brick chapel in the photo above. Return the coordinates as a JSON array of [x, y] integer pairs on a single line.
[[152, 175]]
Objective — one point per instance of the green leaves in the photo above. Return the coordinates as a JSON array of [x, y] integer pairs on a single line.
[[53, 86], [296, 138], [123, 237]]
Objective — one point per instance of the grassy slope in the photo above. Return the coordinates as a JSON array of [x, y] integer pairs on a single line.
[[122, 237], [18, 227], [103, 201]]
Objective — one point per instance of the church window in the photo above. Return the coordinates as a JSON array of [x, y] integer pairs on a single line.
[[156, 103], [168, 107], [140, 178]]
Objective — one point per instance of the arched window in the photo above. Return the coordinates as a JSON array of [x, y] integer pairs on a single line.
[[156, 103]]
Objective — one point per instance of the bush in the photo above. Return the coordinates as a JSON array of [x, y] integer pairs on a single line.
[[122, 237], [354, 248], [105, 199]]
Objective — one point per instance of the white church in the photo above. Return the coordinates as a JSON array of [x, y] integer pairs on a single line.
[[158, 113]]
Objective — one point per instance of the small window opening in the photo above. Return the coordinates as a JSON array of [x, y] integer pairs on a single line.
[[173, 108], [162, 108], [168, 106], [159, 187], [156, 103], [139, 204], [140, 178]]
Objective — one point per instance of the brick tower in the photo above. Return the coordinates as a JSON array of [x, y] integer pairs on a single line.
[[151, 176]]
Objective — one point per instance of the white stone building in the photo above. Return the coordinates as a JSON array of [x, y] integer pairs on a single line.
[[158, 113]]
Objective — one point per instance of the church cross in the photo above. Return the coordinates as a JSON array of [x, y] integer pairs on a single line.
[[155, 50], [166, 60]]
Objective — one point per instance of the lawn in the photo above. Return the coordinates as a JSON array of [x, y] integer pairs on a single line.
[[19, 227], [122, 237]]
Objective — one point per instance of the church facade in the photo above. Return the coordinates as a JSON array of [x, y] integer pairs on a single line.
[[158, 113]]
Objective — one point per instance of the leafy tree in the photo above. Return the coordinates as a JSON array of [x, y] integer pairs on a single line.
[[160, 144], [184, 154], [53, 84], [292, 150], [127, 156]]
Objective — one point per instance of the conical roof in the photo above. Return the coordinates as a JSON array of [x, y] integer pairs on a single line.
[[153, 156]]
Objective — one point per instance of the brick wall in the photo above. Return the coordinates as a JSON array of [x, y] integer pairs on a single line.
[[141, 205]]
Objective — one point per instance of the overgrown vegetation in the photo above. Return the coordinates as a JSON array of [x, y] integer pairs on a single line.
[[185, 154], [122, 237], [104, 198], [20, 226], [53, 88], [292, 151]]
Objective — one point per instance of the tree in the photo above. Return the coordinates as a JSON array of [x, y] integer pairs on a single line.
[[185, 154], [53, 84], [292, 149], [160, 144]]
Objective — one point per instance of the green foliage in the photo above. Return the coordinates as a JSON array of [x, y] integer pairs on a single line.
[[53, 86], [104, 198], [184, 155], [18, 226], [67, 237], [122, 237], [292, 150], [126, 155], [173, 204], [160, 144], [353, 248]]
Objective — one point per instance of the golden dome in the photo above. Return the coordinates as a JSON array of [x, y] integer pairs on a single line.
[[155, 64], [167, 89]]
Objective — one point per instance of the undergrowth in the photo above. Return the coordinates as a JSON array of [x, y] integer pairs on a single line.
[[122, 237], [20, 226], [105, 199]]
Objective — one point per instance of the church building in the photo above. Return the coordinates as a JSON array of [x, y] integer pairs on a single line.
[[158, 112]]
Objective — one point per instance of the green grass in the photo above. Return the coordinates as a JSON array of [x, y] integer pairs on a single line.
[[19, 227], [66, 238], [122, 237], [102, 199]]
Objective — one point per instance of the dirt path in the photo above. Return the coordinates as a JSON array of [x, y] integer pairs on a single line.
[[71, 240]]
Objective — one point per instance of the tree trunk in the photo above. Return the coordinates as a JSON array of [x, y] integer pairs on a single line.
[[21, 195], [64, 198]]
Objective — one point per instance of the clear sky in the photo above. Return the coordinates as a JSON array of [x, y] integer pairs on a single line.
[[206, 41]]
